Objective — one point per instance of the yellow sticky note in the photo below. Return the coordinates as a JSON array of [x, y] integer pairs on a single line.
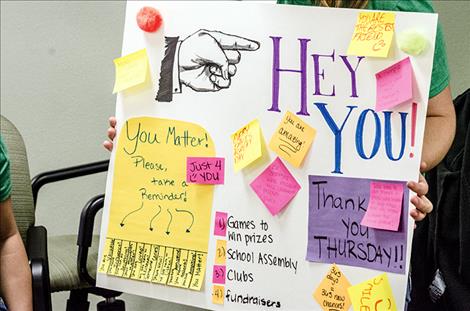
[[332, 293], [199, 272], [218, 292], [107, 257], [373, 294], [151, 201], [158, 224], [246, 145], [373, 34], [131, 70], [292, 139], [220, 252]]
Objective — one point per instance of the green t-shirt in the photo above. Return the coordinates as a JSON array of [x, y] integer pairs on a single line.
[[440, 71], [5, 182]]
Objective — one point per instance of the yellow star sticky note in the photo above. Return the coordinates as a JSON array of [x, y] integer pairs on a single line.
[[332, 292], [373, 34], [246, 144], [373, 294], [292, 139], [131, 70]]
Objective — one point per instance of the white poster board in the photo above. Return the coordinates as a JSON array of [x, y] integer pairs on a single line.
[[312, 65]]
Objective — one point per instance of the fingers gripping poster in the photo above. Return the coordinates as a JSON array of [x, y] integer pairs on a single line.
[[262, 155]]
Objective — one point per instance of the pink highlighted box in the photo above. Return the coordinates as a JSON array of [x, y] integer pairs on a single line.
[[218, 276], [208, 171], [220, 227]]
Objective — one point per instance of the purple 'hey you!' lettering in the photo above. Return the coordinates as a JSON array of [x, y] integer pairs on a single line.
[[381, 121]]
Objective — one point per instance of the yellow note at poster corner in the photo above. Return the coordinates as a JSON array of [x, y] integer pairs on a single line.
[[373, 34], [292, 139], [332, 292], [131, 70], [373, 294], [246, 143]]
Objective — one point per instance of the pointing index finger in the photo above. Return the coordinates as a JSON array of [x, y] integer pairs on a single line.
[[233, 42]]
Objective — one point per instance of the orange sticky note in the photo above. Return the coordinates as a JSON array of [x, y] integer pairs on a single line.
[[332, 293], [220, 252], [373, 34], [292, 139], [218, 292], [373, 294]]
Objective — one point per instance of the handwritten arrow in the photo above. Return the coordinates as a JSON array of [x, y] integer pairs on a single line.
[[171, 218], [122, 221], [151, 220], [192, 216]]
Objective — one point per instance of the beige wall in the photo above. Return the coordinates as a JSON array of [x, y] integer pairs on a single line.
[[454, 17], [56, 82]]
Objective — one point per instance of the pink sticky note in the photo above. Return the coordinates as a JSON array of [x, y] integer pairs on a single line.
[[275, 186], [394, 85], [205, 170], [218, 275], [385, 204], [220, 227]]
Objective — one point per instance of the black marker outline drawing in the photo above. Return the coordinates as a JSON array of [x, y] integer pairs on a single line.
[[192, 216], [154, 218], [204, 62], [134, 211], [287, 145], [169, 223], [151, 220]]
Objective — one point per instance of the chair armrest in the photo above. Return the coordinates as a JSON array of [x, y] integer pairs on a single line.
[[66, 173], [85, 235], [84, 239], [37, 255]]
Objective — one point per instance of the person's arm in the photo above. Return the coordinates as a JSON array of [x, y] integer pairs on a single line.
[[440, 118], [439, 134], [15, 274], [440, 128]]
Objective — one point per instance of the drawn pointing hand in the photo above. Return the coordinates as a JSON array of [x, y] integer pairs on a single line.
[[207, 59]]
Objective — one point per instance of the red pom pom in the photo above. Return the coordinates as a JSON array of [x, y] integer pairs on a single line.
[[149, 19]]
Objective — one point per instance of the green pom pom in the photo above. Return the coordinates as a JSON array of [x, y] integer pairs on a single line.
[[412, 42]]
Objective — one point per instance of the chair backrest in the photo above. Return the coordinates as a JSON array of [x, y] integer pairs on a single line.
[[21, 195]]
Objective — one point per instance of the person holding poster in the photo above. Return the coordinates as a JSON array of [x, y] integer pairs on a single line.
[[440, 118]]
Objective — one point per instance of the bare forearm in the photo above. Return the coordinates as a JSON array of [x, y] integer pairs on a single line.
[[438, 137], [440, 128], [15, 275]]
